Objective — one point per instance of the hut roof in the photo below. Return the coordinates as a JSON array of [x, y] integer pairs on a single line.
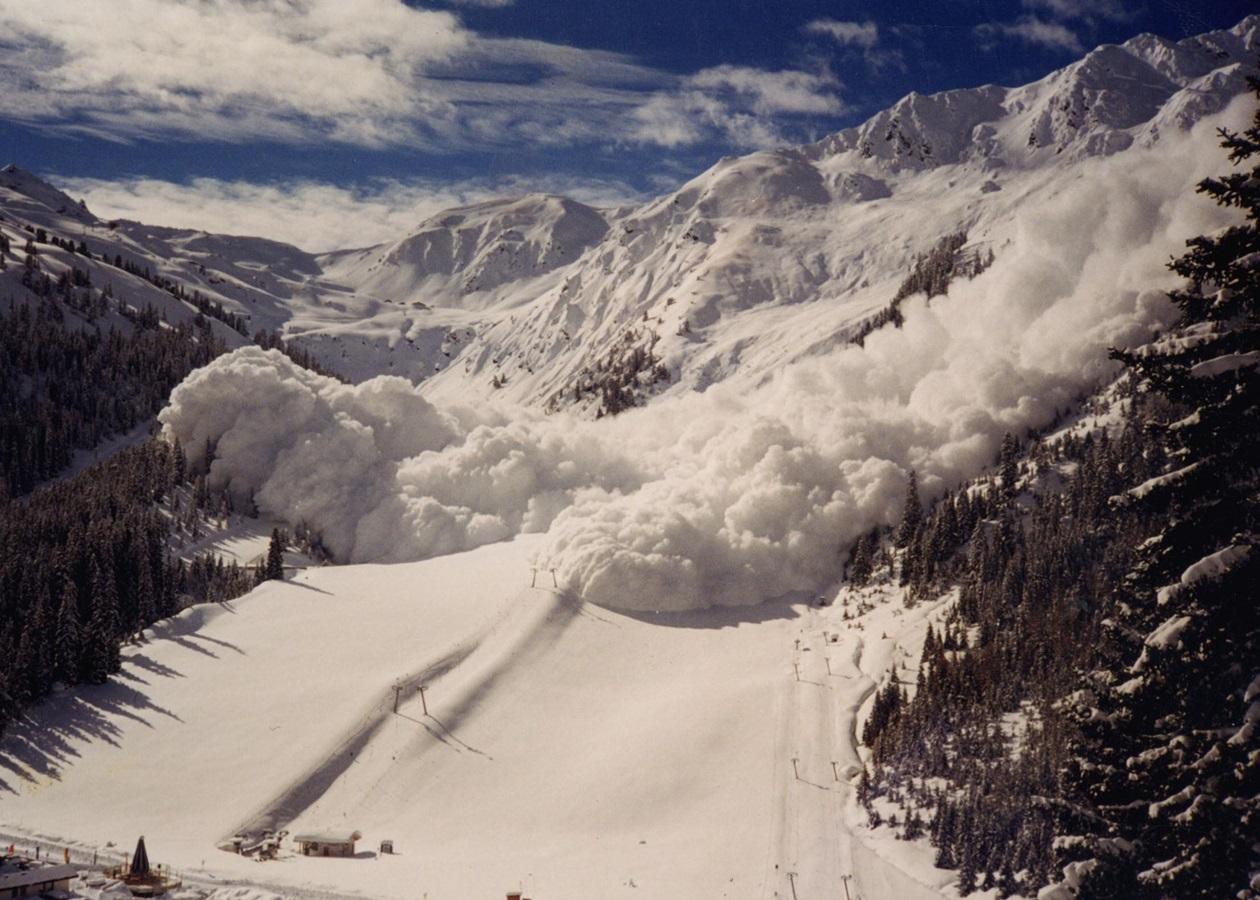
[[13, 876], [328, 836]]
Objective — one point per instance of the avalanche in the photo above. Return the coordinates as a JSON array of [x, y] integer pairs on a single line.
[[733, 495]]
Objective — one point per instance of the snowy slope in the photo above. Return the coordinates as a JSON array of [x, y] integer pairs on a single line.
[[574, 751], [28, 204], [459, 257], [774, 257], [775, 441]]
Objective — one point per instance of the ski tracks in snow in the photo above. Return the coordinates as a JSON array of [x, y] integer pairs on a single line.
[[811, 848]]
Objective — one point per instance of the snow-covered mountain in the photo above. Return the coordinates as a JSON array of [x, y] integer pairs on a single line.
[[759, 261], [459, 257], [772, 257]]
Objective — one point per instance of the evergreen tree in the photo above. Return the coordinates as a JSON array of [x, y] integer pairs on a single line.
[[1008, 464], [1167, 773], [911, 514], [273, 568], [68, 649], [862, 559]]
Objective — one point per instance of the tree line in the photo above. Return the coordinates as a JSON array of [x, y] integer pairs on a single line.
[[64, 389], [930, 274]]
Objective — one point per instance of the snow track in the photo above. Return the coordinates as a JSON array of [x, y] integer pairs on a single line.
[[308, 788]]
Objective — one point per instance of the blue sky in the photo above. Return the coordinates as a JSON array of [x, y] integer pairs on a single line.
[[330, 122]]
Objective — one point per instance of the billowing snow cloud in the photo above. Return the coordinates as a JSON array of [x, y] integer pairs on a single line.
[[724, 497], [379, 471]]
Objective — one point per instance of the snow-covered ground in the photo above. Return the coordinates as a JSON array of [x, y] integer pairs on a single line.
[[568, 749]]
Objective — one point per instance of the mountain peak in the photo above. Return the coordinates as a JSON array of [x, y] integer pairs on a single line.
[[31, 186], [477, 248], [1094, 106]]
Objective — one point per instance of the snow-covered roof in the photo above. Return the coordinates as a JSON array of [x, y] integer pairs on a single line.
[[14, 876], [329, 836]]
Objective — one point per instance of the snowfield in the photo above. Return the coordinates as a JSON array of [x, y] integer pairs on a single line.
[[570, 750]]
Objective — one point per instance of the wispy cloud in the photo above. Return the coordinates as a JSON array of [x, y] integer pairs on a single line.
[[1032, 30], [1085, 10], [860, 34], [859, 37], [275, 69], [1057, 25], [374, 73], [738, 104], [315, 215]]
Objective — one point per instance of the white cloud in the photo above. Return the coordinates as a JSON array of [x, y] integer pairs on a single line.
[[770, 93], [372, 73], [270, 68], [858, 34], [1054, 24], [311, 214], [863, 37], [738, 104], [1032, 30], [1087, 10], [726, 497]]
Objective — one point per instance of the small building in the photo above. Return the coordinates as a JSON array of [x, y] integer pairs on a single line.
[[27, 878], [327, 843]]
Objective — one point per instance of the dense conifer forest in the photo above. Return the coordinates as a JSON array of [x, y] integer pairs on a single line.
[[64, 389], [85, 564], [1089, 713], [79, 364]]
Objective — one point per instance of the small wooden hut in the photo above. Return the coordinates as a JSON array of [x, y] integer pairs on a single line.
[[331, 842]]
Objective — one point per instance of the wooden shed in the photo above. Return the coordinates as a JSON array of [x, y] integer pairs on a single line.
[[331, 842]]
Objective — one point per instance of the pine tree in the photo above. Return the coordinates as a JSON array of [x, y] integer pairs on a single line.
[[68, 648], [1008, 465], [1167, 771], [861, 560], [273, 569], [101, 657], [911, 514]]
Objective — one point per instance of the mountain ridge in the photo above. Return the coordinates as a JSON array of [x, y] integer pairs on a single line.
[[759, 260]]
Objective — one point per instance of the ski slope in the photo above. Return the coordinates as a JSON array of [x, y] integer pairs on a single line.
[[568, 749]]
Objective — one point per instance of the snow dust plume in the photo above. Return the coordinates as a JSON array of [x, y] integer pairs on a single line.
[[380, 472], [724, 498]]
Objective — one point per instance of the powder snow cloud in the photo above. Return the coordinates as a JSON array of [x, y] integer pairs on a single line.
[[724, 497]]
